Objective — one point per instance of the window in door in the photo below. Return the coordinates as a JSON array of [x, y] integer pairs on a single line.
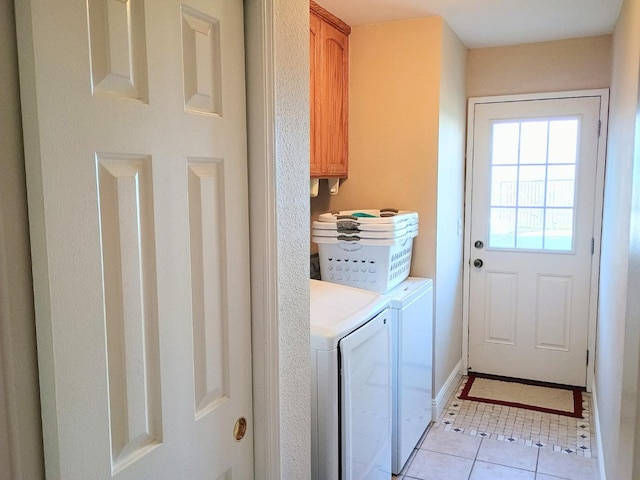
[[533, 172]]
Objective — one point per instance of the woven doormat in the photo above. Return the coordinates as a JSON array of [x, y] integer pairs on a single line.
[[560, 400]]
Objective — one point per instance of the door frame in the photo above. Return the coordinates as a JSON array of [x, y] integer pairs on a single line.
[[260, 66], [597, 213]]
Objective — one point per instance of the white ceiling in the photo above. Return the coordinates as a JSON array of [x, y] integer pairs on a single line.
[[488, 23]]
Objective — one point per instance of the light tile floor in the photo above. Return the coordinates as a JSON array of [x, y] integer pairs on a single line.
[[479, 441]]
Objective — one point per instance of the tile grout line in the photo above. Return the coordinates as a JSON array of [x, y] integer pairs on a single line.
[[475, 459]]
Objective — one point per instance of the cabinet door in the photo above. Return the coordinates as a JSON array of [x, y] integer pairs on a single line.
[[314, 93], [334, 107]]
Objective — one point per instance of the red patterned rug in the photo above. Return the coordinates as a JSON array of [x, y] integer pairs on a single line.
[[537, 396]]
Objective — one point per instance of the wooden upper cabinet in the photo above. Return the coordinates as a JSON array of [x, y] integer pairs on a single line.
[[329, 94]]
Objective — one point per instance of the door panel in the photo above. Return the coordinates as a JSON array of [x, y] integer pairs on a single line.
[[136, 155], [334, 100], [553, 312], [208, 299], [500, 307], [532, 225], [131, 304]]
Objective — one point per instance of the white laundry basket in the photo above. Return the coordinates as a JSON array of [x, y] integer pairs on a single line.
[[372, 219], [369, 249], [372, 264], [323, 229]]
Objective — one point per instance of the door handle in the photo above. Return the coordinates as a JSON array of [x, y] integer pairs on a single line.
[[239, 429], [478, 263]]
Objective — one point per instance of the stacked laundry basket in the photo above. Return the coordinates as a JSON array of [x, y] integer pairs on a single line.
[[368, 249]]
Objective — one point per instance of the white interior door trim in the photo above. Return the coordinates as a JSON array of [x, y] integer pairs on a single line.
[[259, 62], [597, 221]]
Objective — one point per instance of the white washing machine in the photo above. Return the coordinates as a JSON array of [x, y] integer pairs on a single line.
[[351, 383], [412, 352]]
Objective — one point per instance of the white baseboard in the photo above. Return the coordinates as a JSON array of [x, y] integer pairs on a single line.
[[440, 401], [596, 421]]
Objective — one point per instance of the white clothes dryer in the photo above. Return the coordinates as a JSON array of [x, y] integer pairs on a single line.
[[351, 383]]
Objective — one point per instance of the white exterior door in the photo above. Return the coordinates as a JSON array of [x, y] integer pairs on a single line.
[[533, 198], [135, 140]]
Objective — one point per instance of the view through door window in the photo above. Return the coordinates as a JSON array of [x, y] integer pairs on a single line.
[[533, 171]]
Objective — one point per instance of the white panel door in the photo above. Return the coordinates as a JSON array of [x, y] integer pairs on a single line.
[[136, 156], [532, 227]]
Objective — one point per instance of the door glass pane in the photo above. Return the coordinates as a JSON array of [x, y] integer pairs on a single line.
[[530, 228], [531, 186], [533, 177], [533, 142], [505, 145], [502, 227], [558, 229], [504, 182], [561, 185], [563, 141]]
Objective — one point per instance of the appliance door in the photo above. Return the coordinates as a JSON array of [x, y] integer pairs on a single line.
[[365, 401]]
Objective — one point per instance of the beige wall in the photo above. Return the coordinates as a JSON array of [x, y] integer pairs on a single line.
[[574, 64], [450, 208], [20, 430], [618, 342], [393, 135]]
